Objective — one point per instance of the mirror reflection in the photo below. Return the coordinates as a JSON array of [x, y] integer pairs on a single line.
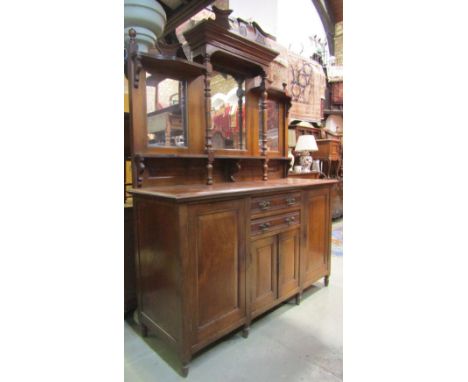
[[272, 114], [227, 112], [272, 125], [164, 112]]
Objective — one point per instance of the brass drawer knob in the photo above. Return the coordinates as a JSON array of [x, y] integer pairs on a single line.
[[291, 201], [264, 205], [264, 226], [290, 220]]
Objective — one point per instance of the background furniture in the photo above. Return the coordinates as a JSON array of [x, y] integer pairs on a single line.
[[330, 153]]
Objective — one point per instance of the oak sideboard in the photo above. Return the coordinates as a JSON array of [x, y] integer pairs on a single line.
[[211, 259]]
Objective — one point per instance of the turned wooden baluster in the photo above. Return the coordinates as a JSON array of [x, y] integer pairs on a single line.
[[183, 111], [263, 126], [208, 132], [240, 97], [135, 61]]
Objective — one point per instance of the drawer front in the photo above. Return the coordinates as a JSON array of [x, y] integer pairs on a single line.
[[334, 151], [275, 203], [275, 223]]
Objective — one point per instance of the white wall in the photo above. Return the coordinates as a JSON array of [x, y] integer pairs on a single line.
[[290, 21]]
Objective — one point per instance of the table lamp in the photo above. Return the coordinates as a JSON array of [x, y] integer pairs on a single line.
[[305, 144]]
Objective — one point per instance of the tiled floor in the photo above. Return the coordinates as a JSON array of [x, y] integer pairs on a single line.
[[291, 343]]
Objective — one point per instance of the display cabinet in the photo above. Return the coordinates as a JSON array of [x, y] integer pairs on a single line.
[[221, 233]]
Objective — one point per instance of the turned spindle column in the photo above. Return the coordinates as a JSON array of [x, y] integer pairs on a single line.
[[263, 126], [240, 117], [208, 131]]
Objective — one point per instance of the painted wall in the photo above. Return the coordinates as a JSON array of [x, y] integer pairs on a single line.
[[292, 22], [339, 43]]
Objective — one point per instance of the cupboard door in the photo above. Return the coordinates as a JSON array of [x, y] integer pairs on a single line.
[[217, 240], [263, 279], [316, 254], [288, 262]]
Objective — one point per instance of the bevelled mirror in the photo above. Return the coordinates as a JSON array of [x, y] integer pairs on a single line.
[[227, 112], [272, 112], [165, 112]]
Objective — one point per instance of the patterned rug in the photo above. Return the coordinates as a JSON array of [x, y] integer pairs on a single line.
[[337, 238]]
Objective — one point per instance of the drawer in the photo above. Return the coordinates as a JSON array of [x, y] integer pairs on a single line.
[[275, 203], [275, 223], [334, 150]]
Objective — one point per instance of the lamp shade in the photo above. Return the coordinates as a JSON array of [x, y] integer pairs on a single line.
[[305, 124], [306, 143]]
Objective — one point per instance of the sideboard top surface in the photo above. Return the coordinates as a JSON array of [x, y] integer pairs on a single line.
[[198, 192]]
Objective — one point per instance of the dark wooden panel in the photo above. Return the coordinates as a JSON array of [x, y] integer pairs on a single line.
[[288, 262], [179, 171], [127, 145], [263, 273], [317, 249], [217, 233], [159, 266], [130, 293], [217, 265]]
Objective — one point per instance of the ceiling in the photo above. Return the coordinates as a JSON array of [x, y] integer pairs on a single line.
[[336, 8], [330, 12], [178, 11]]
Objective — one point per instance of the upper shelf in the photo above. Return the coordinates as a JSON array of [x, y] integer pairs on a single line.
[[173, 67], [229, 48], [200, 192], [196, 156]]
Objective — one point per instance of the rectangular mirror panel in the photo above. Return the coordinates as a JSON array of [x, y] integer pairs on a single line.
[[165, 112], [227, 112]]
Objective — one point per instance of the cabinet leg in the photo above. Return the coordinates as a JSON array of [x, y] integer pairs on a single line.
[[298, 298], [326, 280], [245, 331], [185, 369]]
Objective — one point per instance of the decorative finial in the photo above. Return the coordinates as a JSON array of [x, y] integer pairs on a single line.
[[222, 16], [132, 44]]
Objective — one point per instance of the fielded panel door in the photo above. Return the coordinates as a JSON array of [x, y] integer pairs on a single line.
[[288, 262], [315, 261], [216, 242], [263, 273]]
